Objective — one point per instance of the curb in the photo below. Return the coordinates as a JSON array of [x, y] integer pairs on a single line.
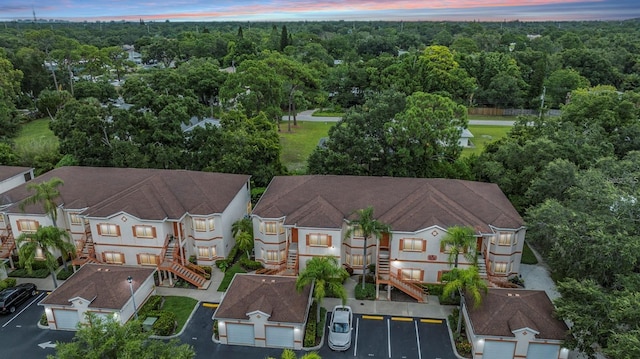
[[319, 346]]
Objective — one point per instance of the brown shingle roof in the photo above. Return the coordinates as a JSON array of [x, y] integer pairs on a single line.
[[106, 283], [153, 194], [7, 172], [406, 204], [272, 295], [504, 310]]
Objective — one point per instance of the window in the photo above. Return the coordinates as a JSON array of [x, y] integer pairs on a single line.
[[28, 225], [269, 227], [504, 239], [75, 219], [411, 274], [199, 224], [147, 259], [206, 252], [356, 259], [318, 240], [144, 232], [356, 232], [110, 230], [499, 267], [212, 224], [1, 218], [272, 256], [413, 245], [113, 257]]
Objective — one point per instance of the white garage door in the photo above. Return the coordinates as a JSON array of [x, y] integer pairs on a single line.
[[280, 337], [66, 319], [543, 351], [498, 350], [240, 334]]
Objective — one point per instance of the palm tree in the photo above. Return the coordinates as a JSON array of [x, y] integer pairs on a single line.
[[46, 194], [327, 274], [460, 240], [242, 231], [290, 354], [37, 246], [369, 227], [465, 281]]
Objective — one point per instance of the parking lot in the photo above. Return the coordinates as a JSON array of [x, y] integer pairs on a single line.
[[376, 336]]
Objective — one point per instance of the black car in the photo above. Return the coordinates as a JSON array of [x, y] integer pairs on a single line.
[[11, 298]]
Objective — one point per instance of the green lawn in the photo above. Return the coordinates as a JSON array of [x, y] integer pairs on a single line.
[[181, 306], [228, 276], [298, 144], [483, 135], [36, 134]]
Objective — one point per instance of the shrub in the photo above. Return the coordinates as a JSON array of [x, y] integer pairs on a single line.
[[43, 319], [36, 273], [154, 303], [233, 253], [223, 264], [323, 321], [64, 273], [311, 331], [216, 333], [434, 289], [166, 324], [447, 300], [249, 264], [369, 291], [7, 283], [193, 260]]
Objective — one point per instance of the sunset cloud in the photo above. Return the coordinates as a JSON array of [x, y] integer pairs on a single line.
[[292, 10]]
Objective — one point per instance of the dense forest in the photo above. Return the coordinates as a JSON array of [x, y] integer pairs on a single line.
[[405, 89]]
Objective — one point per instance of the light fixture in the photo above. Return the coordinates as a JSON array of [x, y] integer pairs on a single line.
[[133, 298]]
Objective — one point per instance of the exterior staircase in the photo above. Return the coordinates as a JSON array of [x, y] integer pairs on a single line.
[[184, 273], [7, 246], [291, 267], [85, 252], [384, 268], [413, 290], [482, 267], [189, 272]]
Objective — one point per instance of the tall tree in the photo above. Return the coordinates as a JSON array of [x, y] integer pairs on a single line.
[[325, 273], [460, 240], [38, 246], [370, 227], [242, 231], [465, 281], [46, 194], [107, 339], [284, 38]]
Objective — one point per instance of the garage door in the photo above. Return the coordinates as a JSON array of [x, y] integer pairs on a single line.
[[280, 337], [240, 334], [499, 350], [66, 319], [543, 351]]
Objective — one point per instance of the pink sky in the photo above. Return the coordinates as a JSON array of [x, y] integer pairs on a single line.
[[298, 10]]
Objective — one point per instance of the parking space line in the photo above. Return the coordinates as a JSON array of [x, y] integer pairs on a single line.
[[431, 321], [418, 340], [389, 336], [376, 317], [23, 309], [355, 347], [402, 319]]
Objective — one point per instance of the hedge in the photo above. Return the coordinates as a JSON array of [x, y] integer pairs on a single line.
[[249, 264], [35, 273], [64, 273], [369, 291], [166, 323], [310, 331], [7, 283]]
